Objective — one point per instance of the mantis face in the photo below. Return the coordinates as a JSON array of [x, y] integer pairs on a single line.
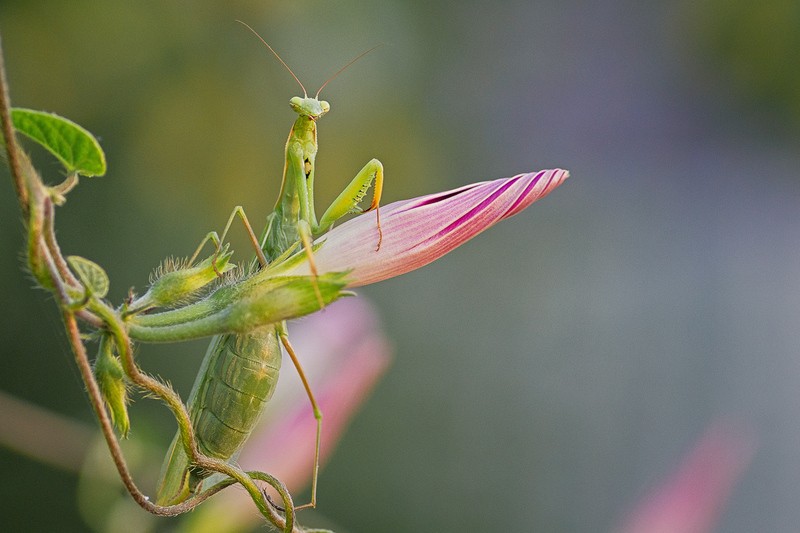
[[309, 107]]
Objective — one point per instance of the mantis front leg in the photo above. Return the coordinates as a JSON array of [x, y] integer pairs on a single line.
[[347, 202], [349, 198]]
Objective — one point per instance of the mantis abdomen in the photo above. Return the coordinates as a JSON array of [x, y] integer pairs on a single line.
[[237, 378], [241, 377]]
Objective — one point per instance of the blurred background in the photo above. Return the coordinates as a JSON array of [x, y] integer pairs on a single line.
[[546, 375]]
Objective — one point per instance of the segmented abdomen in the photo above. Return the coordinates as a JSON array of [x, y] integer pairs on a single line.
[[239, 380]]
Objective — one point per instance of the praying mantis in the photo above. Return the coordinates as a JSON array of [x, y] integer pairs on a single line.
[[239, 372]]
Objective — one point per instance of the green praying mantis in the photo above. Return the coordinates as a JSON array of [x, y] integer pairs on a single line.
[[239, 372]]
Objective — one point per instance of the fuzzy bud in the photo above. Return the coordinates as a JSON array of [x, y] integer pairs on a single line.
[[172, 287], [111, 378]]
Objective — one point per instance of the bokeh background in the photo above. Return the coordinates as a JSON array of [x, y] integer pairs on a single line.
[[547, 374]]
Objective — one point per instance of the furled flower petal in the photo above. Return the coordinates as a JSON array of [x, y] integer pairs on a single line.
[[420, 230]]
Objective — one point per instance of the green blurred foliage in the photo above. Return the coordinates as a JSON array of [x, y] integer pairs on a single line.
[[745, 53]]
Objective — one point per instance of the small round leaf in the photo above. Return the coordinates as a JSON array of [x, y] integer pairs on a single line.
[[92, 275], [76, 148]]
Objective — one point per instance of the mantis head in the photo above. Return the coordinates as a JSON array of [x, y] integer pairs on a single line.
[[309, 107], [312, 108]]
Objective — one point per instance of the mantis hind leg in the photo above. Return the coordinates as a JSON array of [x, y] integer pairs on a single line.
[[317, 416]]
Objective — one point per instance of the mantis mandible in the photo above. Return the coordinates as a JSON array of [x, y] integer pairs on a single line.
[[239, 372]]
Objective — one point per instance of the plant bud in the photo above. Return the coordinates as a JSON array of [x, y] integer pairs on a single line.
[[111, 378], [175, 286]]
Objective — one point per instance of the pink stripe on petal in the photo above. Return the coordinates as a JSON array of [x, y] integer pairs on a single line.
[[533, 187], [419, 231]]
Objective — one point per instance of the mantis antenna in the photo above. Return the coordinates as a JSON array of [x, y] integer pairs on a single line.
[[335, 74], [305, 93], [359, 56]]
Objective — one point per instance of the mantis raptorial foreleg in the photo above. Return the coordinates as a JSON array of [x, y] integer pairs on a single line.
[[349, 198]]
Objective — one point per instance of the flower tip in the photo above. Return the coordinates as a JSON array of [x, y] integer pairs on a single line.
[[559, 176], [551, 178], [555, 176], [532, 186]]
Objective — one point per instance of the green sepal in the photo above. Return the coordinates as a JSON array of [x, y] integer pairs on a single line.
[[76, 148], [92, 275], [111, 377], [175, 286], [257, 301]]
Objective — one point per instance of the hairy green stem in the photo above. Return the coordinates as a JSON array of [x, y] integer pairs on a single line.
[[96, 400], [49, 235], [12, 150], [117, 329]]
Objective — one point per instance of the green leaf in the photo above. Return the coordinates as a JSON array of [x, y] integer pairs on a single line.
[[92, 275], [76, 148]]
